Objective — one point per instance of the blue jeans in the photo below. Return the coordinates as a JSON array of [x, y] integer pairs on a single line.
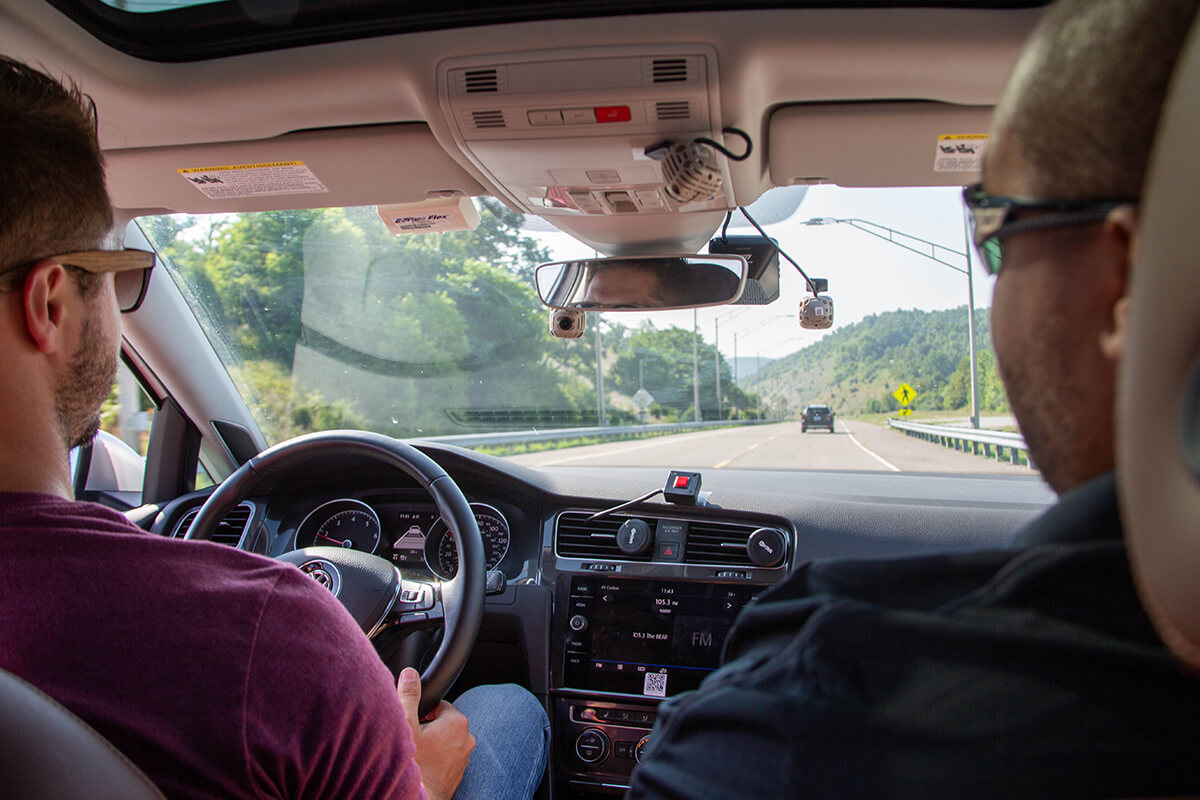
[[512, 743]]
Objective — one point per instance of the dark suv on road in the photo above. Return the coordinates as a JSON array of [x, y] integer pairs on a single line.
[[816, 417]]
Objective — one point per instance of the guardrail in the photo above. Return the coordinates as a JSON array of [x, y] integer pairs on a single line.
[[557, 434], [992, 443]]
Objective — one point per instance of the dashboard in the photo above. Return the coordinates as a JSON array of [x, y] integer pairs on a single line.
[[604, 615]]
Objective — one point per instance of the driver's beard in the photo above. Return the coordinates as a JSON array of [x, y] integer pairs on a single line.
[[82, 391]]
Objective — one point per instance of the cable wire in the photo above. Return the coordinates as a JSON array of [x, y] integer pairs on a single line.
[[721, 149], [807, 280]]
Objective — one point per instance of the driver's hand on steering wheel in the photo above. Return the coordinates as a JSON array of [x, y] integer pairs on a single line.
[[443, 742]]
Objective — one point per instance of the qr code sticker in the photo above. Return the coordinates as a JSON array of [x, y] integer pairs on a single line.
[[655, 684]]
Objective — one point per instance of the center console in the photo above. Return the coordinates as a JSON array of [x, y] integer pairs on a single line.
[[628, 634]]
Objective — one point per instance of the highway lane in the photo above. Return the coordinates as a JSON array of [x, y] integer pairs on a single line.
[[854, 445]]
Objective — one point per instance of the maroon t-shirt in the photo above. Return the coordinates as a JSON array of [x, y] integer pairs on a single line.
[[218, 672]]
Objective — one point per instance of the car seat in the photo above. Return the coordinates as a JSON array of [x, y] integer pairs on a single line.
[[47, 752], [1158, 415]]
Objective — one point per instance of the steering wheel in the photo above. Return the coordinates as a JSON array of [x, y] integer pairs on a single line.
[[376, 593]]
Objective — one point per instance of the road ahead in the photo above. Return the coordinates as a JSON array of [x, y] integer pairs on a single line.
[[854, 445]]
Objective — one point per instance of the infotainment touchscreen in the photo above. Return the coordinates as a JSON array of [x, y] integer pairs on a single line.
[[648, 638]]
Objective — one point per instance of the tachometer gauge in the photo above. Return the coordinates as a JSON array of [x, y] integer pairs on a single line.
[[341, 523], [441, 554]]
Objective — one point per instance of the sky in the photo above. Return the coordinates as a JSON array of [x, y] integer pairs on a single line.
[[867, 275]]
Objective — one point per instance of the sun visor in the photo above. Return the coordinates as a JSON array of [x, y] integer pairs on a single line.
[[878, 144], [315, 169]]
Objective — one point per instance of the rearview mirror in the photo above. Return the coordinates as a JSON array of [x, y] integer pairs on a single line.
[[642, 282]]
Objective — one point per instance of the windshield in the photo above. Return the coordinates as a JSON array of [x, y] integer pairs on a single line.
[[325, 319]]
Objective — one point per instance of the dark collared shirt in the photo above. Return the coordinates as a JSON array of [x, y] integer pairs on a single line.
[[1025, 672]]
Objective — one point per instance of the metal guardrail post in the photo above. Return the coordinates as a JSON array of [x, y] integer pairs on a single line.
[[969, 439]]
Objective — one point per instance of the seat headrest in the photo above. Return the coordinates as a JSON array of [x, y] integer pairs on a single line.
[[1158, 417]]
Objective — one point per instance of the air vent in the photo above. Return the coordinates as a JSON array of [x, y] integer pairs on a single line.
[[669, 70], [479, 81], [718, 543], [229, 532], [488, 119], [673, 109], [579, 538]]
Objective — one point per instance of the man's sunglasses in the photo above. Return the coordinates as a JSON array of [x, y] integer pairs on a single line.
[[130, 267], [992, 219]]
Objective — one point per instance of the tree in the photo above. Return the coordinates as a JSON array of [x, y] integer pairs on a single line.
[[662, 360]]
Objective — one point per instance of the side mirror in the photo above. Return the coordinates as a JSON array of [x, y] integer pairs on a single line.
[[641, 283]]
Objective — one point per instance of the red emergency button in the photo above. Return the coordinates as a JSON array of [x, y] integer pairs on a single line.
[[612, 114], [681, 481]]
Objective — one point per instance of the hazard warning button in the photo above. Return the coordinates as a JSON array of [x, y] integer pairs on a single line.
[[668, 549]]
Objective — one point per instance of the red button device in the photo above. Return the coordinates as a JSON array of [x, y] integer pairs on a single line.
[[681, 481], [612, 114]]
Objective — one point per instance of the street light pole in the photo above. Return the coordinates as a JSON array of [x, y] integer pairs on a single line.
[[695, 367], [717, 365], [969, 246], [599, 376], [874, 228]]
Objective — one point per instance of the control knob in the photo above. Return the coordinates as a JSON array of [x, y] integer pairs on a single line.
[[578, 622], [640, 747], [592, 746], [766, 547], [633, 537]]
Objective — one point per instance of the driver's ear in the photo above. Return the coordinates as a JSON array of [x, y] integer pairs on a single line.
[[1121, 229], [44, 296]]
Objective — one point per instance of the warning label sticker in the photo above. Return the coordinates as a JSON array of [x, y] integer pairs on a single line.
[[253, 180], [960, 152]]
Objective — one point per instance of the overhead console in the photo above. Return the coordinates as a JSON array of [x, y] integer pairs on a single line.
[[643, 604], [563, 134]]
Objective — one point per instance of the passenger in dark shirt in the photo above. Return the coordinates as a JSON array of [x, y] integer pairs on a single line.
[[1030, 672]]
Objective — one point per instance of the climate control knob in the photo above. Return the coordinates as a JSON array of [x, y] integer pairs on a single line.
[[640, 747], [766, 547], [592, 746]]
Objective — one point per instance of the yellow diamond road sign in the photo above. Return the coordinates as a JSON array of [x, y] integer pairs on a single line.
[[905, 412], [905, 394]]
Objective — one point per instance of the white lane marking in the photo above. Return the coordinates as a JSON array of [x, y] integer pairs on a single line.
[[749, 449], [873, 455], [659, 440]]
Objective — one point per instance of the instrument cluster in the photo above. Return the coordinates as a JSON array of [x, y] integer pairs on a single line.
[[412, 536]]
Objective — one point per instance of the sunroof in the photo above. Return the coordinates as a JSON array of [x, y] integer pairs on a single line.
[[194, 30]]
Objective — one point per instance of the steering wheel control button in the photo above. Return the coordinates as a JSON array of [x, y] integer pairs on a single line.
[[640, 747], [633, 537], [578, 623], [766, 547], [495, 582], [416, 596], [592, 746]]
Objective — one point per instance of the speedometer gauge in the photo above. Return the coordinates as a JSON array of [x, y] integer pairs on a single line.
[[341, 523], [441, 553]]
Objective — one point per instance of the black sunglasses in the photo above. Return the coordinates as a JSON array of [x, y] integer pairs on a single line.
[[992, 219], [130, 267]]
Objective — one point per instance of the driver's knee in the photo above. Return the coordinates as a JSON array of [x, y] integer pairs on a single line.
[[512, 734]]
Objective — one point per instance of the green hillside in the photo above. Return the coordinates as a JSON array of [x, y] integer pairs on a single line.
[[856, 368]]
